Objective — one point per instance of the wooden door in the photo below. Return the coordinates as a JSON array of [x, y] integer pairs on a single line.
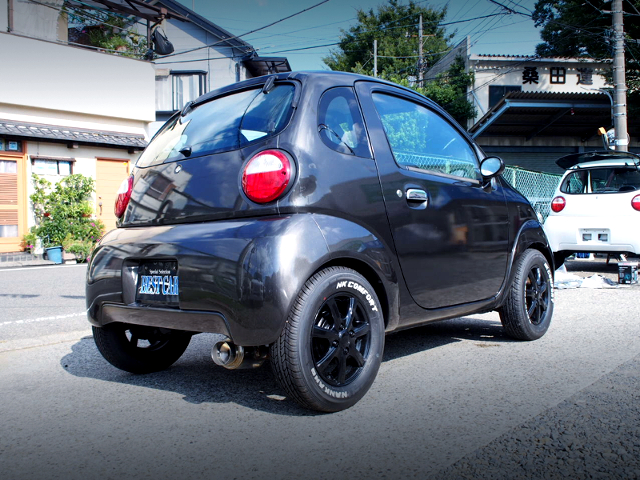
[[110, 172], [13, 203]]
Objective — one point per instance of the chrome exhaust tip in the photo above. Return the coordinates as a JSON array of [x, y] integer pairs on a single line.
[[227, 354]]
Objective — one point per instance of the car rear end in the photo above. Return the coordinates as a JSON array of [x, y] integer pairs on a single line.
[[596, 207], [199, 221]]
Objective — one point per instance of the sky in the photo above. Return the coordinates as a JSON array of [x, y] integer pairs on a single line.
[[506, 34]]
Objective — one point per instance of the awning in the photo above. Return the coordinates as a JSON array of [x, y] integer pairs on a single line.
[[530, 114]]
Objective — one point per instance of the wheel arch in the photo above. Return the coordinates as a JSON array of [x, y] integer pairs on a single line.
[[370, 275], [531, 235]]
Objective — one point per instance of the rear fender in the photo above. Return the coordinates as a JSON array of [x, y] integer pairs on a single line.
[[530, 235], [352, 245]]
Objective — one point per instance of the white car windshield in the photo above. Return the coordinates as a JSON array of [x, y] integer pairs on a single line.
[[601, 180]]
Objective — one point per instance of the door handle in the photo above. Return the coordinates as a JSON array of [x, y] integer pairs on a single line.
[[417, 198], [416, 195]]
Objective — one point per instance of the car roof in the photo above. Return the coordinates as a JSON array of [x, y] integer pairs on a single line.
[[340, 79], [598, 159]]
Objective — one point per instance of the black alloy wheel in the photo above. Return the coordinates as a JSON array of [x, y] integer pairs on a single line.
[[528, 306], [330, 349], [537, 294], [340, 339]]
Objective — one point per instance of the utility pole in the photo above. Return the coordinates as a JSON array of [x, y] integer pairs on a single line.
[[375, 58], [619, 82], [420, 53]]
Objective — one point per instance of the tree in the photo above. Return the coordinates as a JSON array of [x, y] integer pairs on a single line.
[[396, 29], [575, 28], [63, 214], [449, 91]]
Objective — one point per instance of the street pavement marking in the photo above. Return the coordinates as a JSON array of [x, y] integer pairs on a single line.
[[44, 319], [11, 269]]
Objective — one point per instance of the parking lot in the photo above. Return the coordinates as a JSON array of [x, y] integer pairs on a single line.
[[453, 399]]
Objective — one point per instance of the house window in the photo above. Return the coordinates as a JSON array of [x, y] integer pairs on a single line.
[[558, 75], [51, 166], [497, 92], [9, 145], [174, 89]]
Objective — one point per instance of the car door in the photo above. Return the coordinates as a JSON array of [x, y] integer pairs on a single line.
[[451, 234]]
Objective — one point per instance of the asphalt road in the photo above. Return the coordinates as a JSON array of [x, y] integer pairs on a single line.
[[449, 401], [39, 305]]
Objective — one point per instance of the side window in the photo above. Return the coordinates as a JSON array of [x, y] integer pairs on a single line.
[[421, 138], [340, 123]]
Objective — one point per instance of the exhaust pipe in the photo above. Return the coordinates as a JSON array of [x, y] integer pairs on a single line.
[[232, 356]]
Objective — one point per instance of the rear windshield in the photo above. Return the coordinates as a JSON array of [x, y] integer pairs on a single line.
[[223, 124], [602, 180]]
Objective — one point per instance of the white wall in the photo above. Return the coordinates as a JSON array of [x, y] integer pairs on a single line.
[[217, 61], [59, 77]]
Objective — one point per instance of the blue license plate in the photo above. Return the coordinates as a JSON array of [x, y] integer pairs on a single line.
[[158, 283]]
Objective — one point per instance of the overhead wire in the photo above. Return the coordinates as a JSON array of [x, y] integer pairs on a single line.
[[246, 33]]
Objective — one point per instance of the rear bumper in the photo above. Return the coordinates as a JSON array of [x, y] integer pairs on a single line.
[[211, 322], [593, 234], [236, 277]]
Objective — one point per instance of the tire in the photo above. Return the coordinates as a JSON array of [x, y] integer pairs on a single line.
[[140, 349], [330, 349], [527, 311]]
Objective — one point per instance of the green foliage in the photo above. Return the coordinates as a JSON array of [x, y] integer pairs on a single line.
[[395, 27], [573, 28], [80, 248], [112, 33], [449, 90], [63, 213], [29, 240]]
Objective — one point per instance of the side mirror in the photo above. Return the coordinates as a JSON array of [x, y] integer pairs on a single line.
[[491, 167]]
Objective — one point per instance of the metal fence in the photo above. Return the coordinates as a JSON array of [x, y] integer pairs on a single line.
[[537, 187]]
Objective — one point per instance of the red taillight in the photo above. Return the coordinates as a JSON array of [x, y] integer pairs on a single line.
[[124, 195], [266, 176], [635, 202], [558, 204]]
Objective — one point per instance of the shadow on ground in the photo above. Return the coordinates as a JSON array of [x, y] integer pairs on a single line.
[[199, 380]]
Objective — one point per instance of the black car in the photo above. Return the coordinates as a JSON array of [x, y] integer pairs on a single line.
[[301, 216]]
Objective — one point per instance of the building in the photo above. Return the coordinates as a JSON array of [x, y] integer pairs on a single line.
[[533, 110], [63, 109], [213, 58], [67, 106]]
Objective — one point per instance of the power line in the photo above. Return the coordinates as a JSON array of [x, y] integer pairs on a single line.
[[247, 33]]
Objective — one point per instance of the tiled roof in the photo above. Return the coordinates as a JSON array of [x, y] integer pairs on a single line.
[[534, 58], [71, 134]]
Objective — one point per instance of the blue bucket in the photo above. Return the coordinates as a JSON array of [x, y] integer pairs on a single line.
[[54, 254]]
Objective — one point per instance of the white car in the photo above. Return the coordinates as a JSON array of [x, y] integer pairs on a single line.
[[596, 207]]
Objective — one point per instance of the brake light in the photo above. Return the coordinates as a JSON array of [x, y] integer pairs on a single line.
[[635, 202], [123, 196], [266, 176], [558, 204]]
